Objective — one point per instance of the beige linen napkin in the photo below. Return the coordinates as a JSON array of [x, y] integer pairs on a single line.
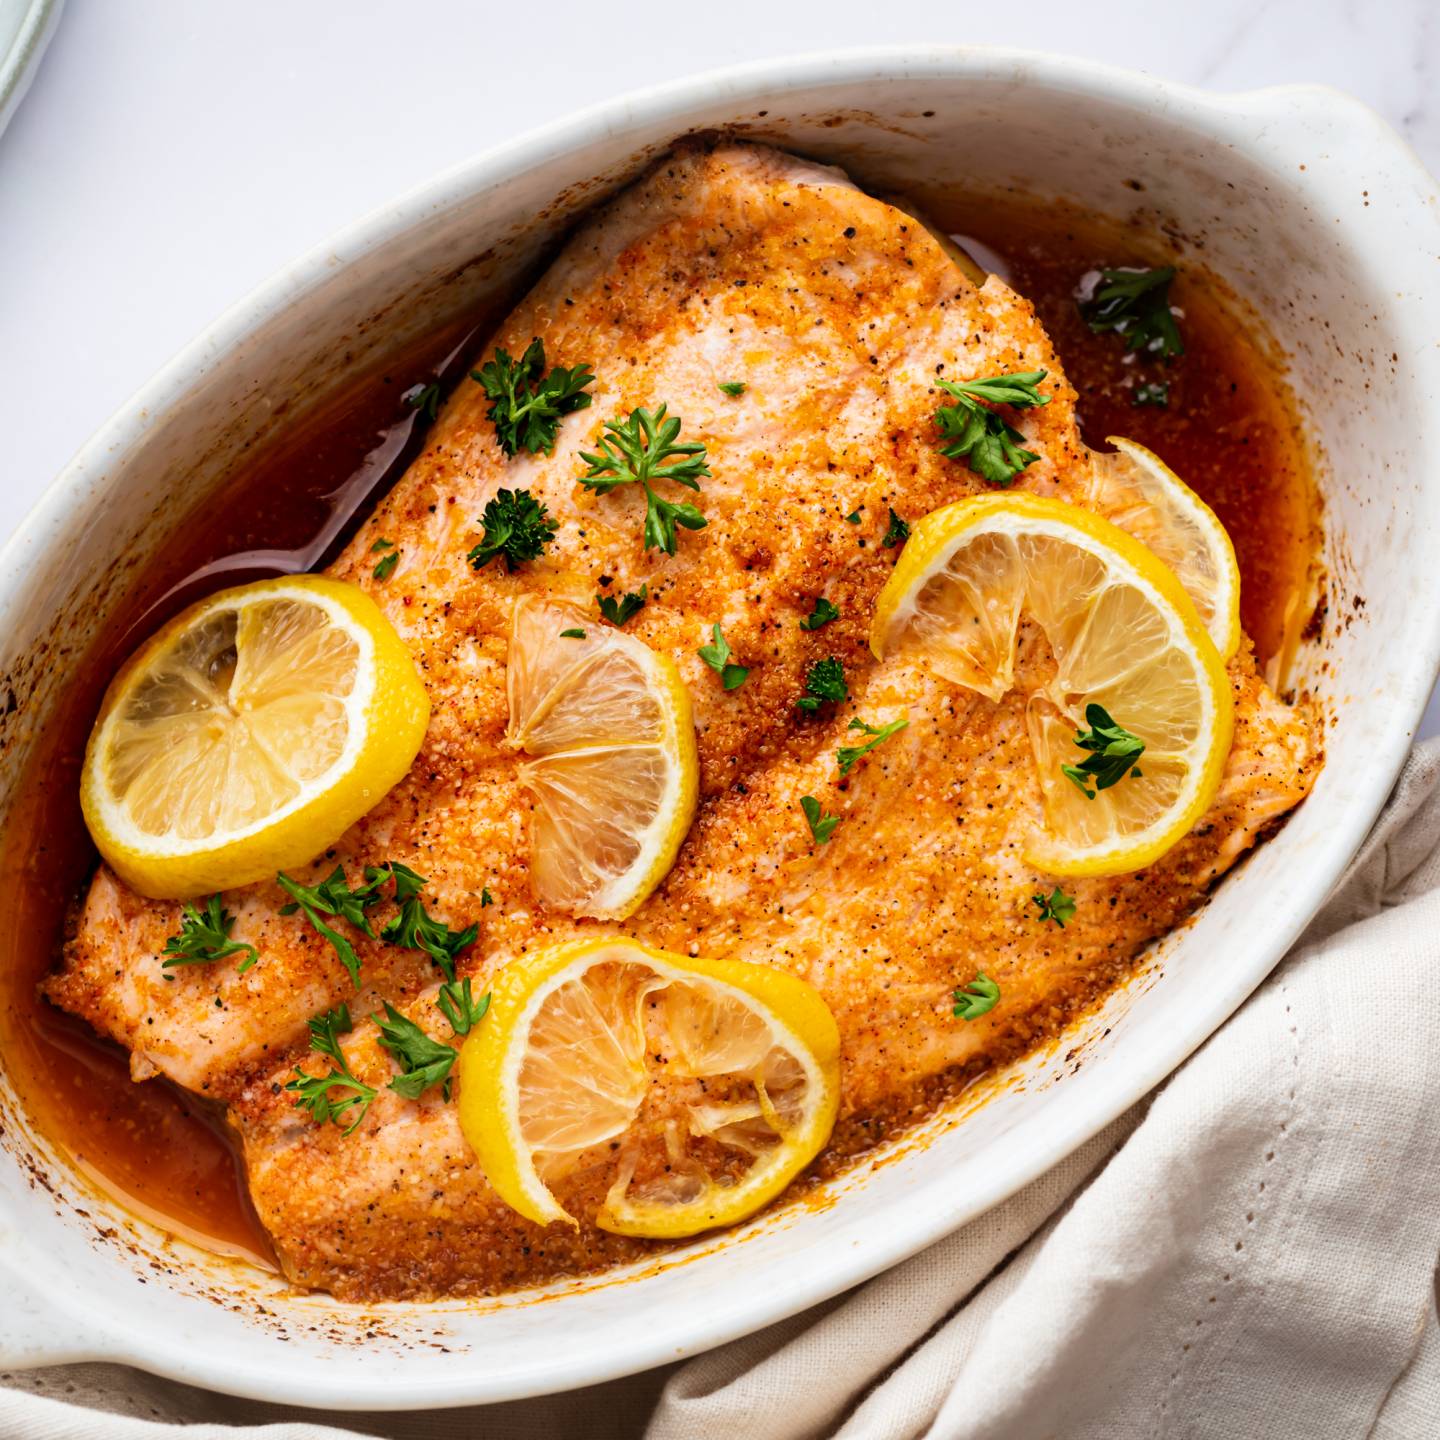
[[1250, 1251]]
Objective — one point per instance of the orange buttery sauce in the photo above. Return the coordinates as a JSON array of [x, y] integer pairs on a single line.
[[1229, 430]]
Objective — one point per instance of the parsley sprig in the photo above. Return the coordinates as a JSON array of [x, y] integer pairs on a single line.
[[617, 612], [205, 936], [333, 896], [897, 533], [315, 1092], [423, 1062], [982, 437], [424, 398], [1113, 749], [1135, 304], [416, 929], [517, 526], [849, 755], [977, 998], [413, 926], [823, 613], [460, 1007], [822, 826], [642, 449], [825, 684], [526, 404], [717, 656], [1056, 906]]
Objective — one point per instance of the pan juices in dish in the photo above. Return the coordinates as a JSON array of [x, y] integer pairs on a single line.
[[798, 329]]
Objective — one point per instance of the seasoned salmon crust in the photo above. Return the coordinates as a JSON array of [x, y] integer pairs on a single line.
[[839, 313]]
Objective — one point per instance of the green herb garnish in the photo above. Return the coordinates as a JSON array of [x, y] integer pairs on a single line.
[[1113, 753], [823, 613], [205, 936], [333, 896], [423, 1061], [897, 534], [733, 388], [527, 405], [382, 544], [982, 437], [822, 826], [1155, 393], [825, 683], [617, 612], [636, 451], [1135, 304], [313, 1092], [853, 518], [977, 998], [416, 929], [486, 898], [717, 657], [386, 565], [517, 526], [572, 634], [460, 1007], [424, 398], [1056, 906], [848, 755]]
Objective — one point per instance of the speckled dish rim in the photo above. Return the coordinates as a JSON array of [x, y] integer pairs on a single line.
[[54, 1316]]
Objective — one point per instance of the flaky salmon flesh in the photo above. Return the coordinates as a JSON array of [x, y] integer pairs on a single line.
[[840, 313]]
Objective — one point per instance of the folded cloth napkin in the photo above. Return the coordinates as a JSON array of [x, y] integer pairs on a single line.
[[1251, 1250]]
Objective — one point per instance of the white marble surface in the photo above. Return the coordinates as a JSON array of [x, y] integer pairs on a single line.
[[172, 154]]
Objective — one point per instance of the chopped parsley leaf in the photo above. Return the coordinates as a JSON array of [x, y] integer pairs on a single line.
[[977, 998], [733, 388], [823, 613], [982, 437], [1056, 906], [205, 936], [897, 534], [574, 633], [386, 565], [1113, 749], [824, 684], [1135, 304], [517, 526], [617, 612], [313, 1092], [822, 826], [526, 404], [849, 755], [636, 451], [460, 1007], [424, 1062], [717, 657], [1155, 393]]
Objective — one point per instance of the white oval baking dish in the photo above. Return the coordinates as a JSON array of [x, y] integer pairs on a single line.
[[1310, 207]]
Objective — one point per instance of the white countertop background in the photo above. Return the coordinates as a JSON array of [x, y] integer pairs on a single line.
[[173, 153]]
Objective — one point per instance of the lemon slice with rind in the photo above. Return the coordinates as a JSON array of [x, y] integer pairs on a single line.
[[248, 735], [1121, 633], [609, 738], [702, 1087], [1133, 488]]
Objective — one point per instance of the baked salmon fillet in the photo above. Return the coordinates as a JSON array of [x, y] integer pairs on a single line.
[[839, 312]]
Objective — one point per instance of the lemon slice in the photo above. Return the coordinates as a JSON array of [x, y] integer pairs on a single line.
[[606, 725], [1134, 489], [1121, 633], [248, 735], [702, 1087]]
